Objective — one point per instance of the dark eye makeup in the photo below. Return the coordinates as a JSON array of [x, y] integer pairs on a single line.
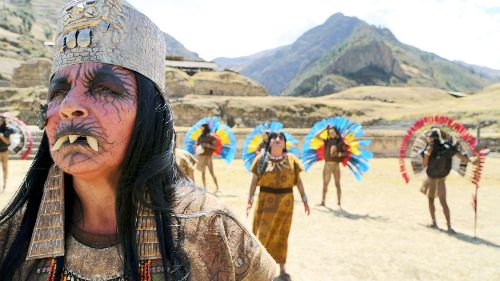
[[106, 84], [103, 90], [60, 88], [58, 91]]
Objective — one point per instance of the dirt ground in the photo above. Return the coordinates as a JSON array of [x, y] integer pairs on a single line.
[[381, 234]]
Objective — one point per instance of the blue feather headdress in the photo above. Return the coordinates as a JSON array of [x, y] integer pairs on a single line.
[[357, 157], [226, 141], [256, 137]]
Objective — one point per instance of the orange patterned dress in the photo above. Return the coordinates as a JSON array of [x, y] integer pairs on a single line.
[[273, 215]]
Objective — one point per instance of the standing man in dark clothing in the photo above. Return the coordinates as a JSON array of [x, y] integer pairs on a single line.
[[5, 133], [335, 151], [437, 158], [205, 147]]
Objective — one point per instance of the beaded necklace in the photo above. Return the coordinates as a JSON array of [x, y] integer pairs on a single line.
[[68, 275]]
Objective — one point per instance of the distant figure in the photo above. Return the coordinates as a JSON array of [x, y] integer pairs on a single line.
[[335, 150], [5, 133], [276, 172], [336, 140], [437, 158], [186, 162], [205, 146]]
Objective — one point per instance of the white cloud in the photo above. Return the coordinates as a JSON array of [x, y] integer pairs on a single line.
[[464, 30]]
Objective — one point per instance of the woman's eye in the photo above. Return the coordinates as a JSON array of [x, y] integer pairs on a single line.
[[57, 94], [106, 90]]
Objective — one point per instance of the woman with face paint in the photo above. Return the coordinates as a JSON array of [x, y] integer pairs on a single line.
[[276, 173], [104, 199]]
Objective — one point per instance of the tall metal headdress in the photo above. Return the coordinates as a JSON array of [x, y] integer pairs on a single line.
[[111, 32]]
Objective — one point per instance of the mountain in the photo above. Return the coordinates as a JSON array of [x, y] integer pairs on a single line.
[[237, 64], [345, 52], [481, 70], [175, 48]]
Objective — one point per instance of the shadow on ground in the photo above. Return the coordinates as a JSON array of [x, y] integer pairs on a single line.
[[466, 238], [348, 215]]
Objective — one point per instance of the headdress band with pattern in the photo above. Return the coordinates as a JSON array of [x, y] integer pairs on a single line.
[[111, 32]]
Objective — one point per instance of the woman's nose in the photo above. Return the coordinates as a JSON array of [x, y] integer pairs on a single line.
[[73, 106]]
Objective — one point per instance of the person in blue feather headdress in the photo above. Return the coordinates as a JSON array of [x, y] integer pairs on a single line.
[[334, 152], [208, 138], [336, 140], [206, 145], [275, 171]]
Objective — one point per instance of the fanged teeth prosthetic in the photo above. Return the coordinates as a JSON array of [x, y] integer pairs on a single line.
[[92, 142], [72, 138], [59, 143]]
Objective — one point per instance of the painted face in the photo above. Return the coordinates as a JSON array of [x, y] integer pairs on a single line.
[[433, 137], [277, 141], [332, 133], [206, 129], [91, 115]]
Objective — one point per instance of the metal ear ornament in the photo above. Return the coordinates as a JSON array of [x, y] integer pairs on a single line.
[[42, 116]]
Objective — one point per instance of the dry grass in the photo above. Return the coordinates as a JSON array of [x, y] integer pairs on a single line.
[[414, 102], [379, 103], [393, 94], [381, 233]]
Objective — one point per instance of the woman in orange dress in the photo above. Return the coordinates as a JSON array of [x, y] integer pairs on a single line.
[[276, 172]]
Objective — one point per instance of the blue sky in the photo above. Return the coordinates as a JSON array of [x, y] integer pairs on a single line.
[[454, 29]]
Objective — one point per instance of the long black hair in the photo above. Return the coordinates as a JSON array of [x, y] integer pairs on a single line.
[[206, 130], [3, 126], [337, 134], [148, 168]]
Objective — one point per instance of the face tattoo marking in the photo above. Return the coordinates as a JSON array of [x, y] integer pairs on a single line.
[[91, 114]]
